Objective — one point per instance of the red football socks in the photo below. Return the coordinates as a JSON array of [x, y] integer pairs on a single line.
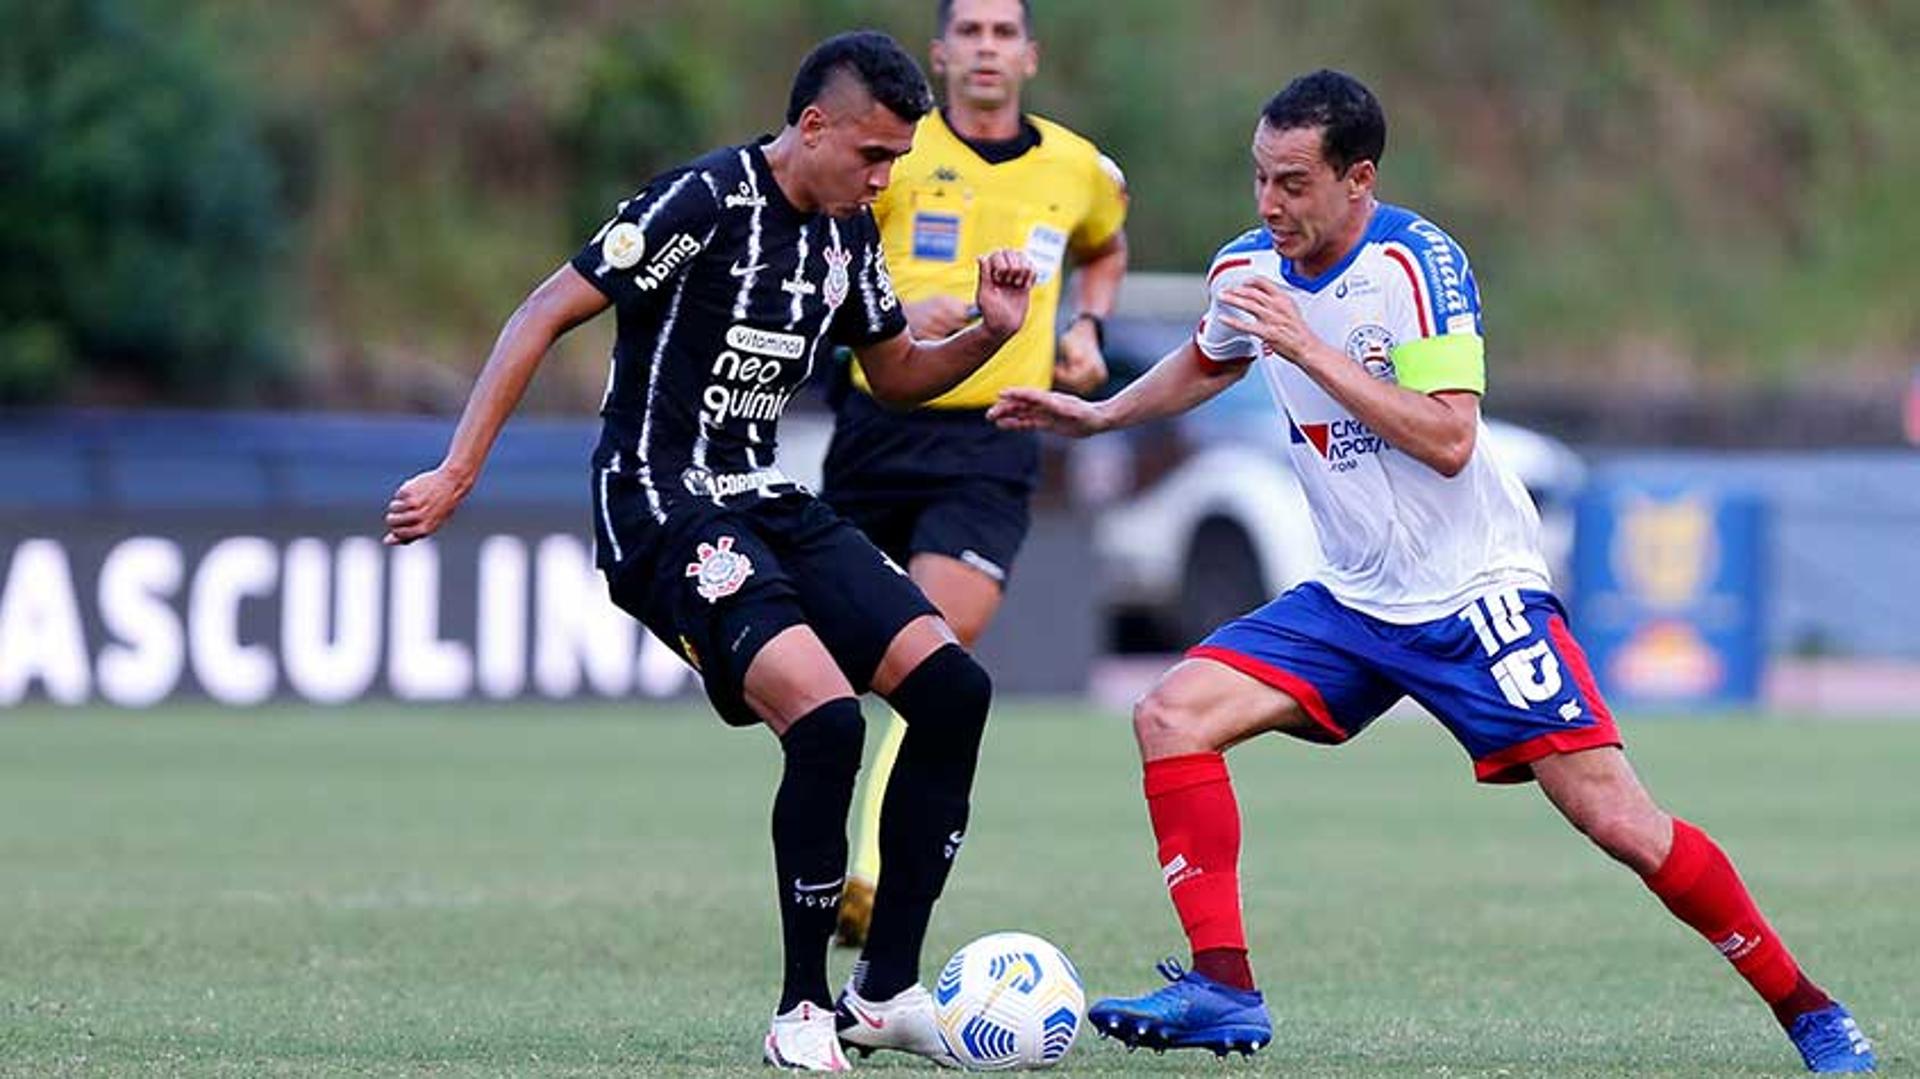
[[1197, 823], [1701, 887]]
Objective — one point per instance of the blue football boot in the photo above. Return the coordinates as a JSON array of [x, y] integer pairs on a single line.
[[1194, 1012], [1830, 1041]]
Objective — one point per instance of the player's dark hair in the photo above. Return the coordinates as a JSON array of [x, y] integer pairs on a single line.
[[873, 58], [1353, 127], [945, 16]]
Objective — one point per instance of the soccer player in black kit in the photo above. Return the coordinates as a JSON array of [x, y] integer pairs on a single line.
[[732, 278]]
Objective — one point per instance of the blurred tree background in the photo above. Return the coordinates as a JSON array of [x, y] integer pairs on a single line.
[[338, 203]]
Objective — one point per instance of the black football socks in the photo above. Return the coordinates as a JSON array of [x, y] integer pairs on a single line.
[[822, 751], [923, 818]]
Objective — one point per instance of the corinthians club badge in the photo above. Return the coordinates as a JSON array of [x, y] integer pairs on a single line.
[[720, 571], [836, 291]]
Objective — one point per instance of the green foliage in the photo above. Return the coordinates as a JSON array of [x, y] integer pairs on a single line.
[[138, 217], [1665, 190], [651, 99]]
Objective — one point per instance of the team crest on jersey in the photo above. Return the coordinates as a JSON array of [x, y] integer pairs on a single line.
[[720, 571], [1371, 346], [837, 279], [623, 246]]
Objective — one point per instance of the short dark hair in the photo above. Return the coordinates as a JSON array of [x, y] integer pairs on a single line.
[[1353, 127], [876, 60], [945, 15]]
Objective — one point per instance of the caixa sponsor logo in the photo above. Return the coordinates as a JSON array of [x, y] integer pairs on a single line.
[[1341, 443]]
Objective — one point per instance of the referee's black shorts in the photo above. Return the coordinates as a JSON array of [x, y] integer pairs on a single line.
[[932, 481]]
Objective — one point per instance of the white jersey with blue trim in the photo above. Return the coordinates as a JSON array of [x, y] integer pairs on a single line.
[[1402, 542]]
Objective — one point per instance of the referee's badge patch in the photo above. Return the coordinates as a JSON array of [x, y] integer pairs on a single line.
[[936, 237], [1046, 249], [720, 571]]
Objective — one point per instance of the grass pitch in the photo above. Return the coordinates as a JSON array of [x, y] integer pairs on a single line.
[[589, 892]]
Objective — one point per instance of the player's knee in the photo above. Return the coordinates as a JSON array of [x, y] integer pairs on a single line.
[[1161, 724], [949, 692], [1627, 836], [829, 738]]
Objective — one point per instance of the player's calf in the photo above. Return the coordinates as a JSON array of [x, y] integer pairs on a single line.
[[924, 817], [822, 751]]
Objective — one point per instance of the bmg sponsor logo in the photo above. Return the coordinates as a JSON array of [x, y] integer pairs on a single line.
[[669, 258]]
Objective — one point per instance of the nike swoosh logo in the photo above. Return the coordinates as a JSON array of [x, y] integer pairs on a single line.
[[858, 1013], [738, 270], [802, 886]]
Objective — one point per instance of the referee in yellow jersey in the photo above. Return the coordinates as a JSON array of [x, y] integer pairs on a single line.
[[940, 489]]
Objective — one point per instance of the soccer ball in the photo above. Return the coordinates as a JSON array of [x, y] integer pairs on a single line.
[[1009, 1000]]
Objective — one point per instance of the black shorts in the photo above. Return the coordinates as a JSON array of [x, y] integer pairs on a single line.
[[932, 481], [716, 584]]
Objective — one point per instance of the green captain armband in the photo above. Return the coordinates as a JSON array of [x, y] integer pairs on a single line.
[[1454, 361]]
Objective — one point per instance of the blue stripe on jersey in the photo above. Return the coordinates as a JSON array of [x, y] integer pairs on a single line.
[[1315, 284], [1254, 239], [1443, 265]]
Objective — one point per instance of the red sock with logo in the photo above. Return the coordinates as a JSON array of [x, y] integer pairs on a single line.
[[1196, 820], [1700, 886]]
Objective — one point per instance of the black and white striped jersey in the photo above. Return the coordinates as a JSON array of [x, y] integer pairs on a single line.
[[727, 299]]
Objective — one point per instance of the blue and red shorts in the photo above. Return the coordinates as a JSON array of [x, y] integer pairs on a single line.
[[1503, 674]]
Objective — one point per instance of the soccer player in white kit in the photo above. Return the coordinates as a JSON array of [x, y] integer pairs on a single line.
[[1364, 318]]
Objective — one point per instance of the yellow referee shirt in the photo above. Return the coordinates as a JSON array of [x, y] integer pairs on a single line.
[[946, 206]]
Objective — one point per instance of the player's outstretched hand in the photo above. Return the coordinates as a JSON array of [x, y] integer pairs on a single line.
[[421, 505], [1006, 280], [1270, 316], [1023, 409]]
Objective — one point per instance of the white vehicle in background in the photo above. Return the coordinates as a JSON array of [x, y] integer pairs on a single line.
[[1226, 527]]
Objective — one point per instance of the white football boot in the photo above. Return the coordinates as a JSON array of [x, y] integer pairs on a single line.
[[905, 1023], [804, 1039]]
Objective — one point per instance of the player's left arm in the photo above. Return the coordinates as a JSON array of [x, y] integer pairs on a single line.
[[904, 372], [1433, 426]]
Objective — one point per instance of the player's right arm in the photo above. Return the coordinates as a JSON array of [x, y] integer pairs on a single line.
[[1215, 357], [561, 302], [905, 372], [1181, 380], [633, 259]]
